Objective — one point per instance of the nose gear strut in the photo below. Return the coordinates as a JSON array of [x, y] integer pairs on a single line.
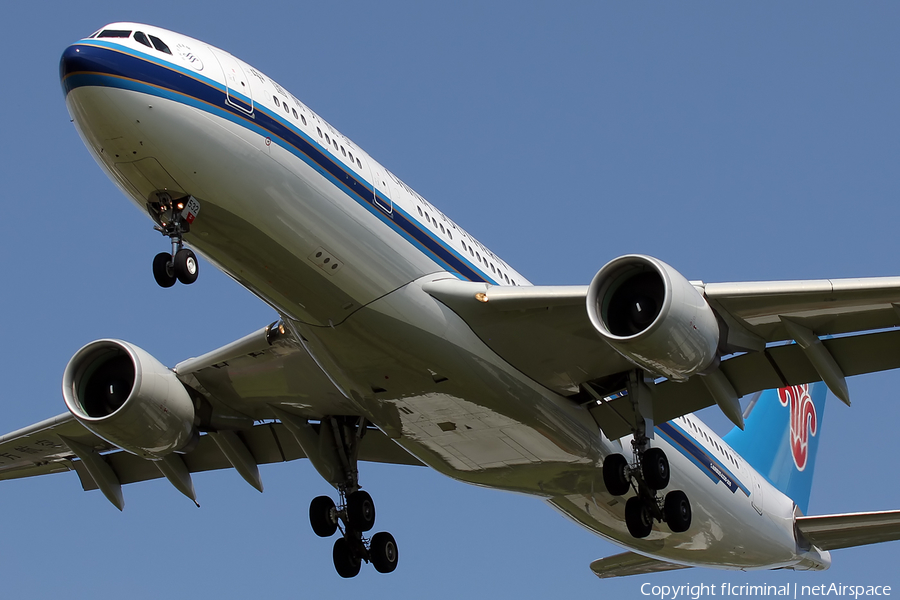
[[173, 220]]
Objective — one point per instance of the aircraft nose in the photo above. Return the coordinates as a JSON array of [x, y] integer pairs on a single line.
[[75, 59]]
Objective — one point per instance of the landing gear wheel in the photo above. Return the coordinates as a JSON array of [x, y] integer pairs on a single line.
[[322, 516], [615, 474], [677, 509], [361, 510], [655, 468], [638, 518], [163, 273], [186, 267], [383, 552], [345, 562]]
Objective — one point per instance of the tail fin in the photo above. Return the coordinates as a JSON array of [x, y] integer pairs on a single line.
[[780, 438]]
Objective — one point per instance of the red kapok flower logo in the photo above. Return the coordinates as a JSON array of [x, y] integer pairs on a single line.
[[803, 420]]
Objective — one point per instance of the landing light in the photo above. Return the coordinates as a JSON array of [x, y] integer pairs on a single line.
[[481, 297]]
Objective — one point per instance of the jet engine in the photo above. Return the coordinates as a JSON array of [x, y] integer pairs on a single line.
[[128, 398], [653, 316]]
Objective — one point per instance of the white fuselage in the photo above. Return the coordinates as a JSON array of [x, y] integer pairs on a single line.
[[278, 197]]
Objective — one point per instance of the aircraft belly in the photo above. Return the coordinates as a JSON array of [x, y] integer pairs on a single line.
[[418, 372], [267, 218]]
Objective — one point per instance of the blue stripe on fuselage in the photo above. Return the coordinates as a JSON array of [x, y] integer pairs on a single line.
[[103, 64], [715, 470]]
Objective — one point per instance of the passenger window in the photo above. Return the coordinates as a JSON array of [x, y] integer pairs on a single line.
[[277, 103], [442, 229], [351, 156], [359, 163], [344, 152], [294, 110], [327, 139], [420, 210], [303, 119], [507, 278], [160, 45], [287, 108], [320, 131], [335, 144], [139, 36]]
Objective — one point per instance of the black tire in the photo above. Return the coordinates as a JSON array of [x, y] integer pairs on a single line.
[[677, 509], [322, 516], [383, 552], [361, 511], [615, 475], [187, 269], [655, 468], [345, 562], [638, 518], [162, 273]]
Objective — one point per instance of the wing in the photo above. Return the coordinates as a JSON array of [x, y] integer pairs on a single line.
[[833, 532], [241, 384], [546, 333], [629, 563]]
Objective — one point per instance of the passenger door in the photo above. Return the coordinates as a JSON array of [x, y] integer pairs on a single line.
[[237, 87]]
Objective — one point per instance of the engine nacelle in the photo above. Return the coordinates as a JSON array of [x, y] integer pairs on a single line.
[[128, 398], [653, 316]]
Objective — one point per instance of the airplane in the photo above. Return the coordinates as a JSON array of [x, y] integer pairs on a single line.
[[402, 339]]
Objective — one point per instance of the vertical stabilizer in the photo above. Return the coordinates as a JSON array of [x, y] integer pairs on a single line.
[[781, 436]]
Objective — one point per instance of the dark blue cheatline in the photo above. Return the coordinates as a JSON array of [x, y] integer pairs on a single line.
[[698, 455]]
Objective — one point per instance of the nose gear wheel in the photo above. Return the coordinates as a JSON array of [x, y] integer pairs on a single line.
[[173, 220]]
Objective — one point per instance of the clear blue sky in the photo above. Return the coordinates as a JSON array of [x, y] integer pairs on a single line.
[[735, 142]]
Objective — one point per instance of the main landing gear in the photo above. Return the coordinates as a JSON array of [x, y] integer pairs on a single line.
[[174, 218], [647, 474], [333, 449], [357, 513]]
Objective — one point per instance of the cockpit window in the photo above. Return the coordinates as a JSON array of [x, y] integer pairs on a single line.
[[160, 45], [139, 36], [114, 33]]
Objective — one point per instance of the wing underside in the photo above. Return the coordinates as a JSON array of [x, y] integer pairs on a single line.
[[244, 385], [841, 328]]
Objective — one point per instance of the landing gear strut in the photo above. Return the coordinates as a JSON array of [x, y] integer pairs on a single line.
[[647, 474], [174, 218], [354, 515]]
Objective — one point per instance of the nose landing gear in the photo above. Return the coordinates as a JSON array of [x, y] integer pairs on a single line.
[[173, 219]]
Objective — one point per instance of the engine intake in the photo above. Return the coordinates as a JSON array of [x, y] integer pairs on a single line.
[[653, 316], [122, 394]]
